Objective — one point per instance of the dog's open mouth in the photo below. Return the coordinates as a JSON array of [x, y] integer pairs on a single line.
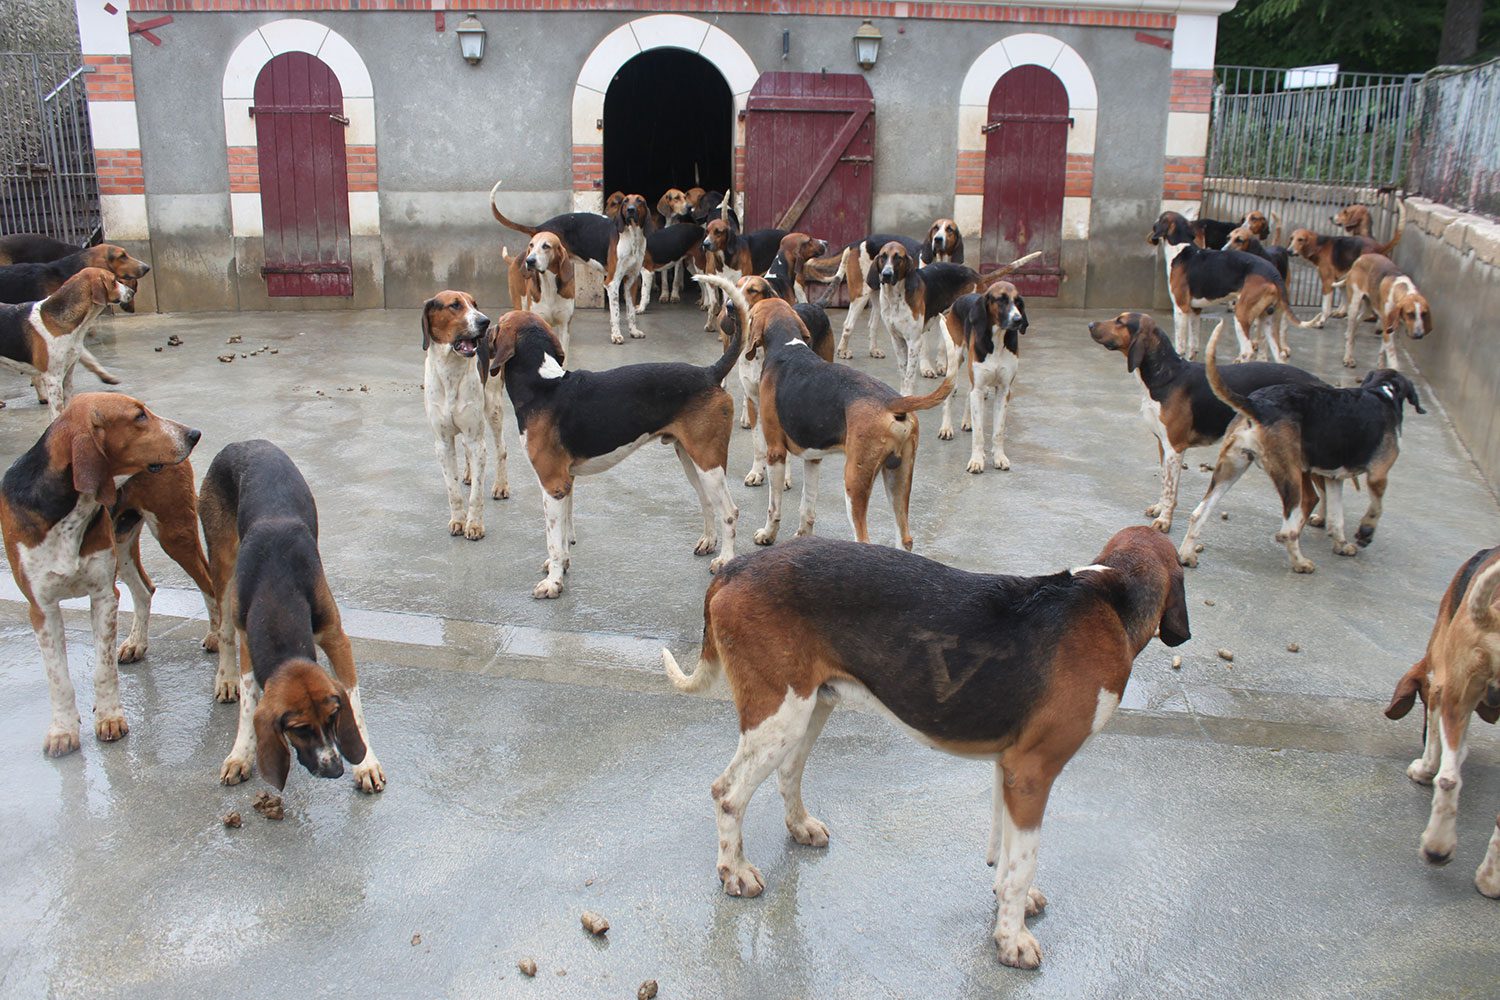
[[466, 347]]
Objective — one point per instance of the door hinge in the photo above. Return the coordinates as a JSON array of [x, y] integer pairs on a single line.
[[341, 119]]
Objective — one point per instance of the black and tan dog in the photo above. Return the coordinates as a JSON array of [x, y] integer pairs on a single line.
[[261, 524], [788, 271], [1252, 286], [732, 254], [671, 252], [852, 264], [1459, 677], [984, 329], [614, 246], [1176, 400], [33, 282], [45, 339], [1310, 438], [33, 248], [812, 408], [1176, 229], [1018, 670], [576, 423], [1333, 256]]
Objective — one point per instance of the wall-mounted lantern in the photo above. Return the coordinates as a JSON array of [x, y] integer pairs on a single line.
[[471, 40], [866, 45]]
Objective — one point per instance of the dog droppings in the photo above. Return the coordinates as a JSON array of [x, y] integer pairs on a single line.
[[226, 358], [236, 339], [174, 341], [416, 939], [275, 350], [364, 388], [1292, 647], [1208, 601], [593, 923], [647, 990], [1176, 663], [1224, 516], [527, 966], [562, 972], [1226, 655], [232, 820], [269, 805], [157, 349]]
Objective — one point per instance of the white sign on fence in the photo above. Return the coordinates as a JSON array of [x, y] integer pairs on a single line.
[[1301, 77]]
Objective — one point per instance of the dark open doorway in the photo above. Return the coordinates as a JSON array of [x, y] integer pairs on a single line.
[[668, 122]]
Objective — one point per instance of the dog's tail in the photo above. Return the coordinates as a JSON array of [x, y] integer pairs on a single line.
[[986, 280], [1385, 251], [1482, 593], [1240, 404], [495, 209], [732, 293], [910, 404], [1276, 236], [1284, 302], [839, 274], [709, 665]]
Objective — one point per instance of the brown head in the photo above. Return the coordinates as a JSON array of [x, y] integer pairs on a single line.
[[545, 252], [694, 196], [86, 292], [1156, 601], [1304, 243], [634, 212], [717, 236], [891, 266], [1354, 220], [1241, 238], [1133, 334], [672, 204], [1174, 227], [518, 331], [105, 435], [453, 319], [116, 261], [944, 236], [1257, 224], [1415, 314], [612, 204], [1006, 308], [799, 248], [303, 709]]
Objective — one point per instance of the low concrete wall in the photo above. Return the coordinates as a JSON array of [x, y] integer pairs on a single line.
[[1455, 258]]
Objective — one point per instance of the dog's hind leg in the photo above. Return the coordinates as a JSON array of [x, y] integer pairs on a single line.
[[1292, 514], [1487, 876], [1334, 495], [1376, 481], [710, 538], [92, 364], [128, 563], [804, 828], [809, 513], [494, 419], [898, 486], [1234, 459]]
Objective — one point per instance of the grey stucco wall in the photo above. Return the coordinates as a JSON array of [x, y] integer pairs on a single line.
[[446, 131]]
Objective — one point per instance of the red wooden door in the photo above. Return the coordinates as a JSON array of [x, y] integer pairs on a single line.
[[304, 183], [1025, 166], [810, 155]]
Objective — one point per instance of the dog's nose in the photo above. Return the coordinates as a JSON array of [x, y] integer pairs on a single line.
[[707, 246], [193, 435], [531, 262], [482, 322], [1093, 326], [145, 269]]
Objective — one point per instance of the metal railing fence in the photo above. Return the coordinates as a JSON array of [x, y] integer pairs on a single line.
[[48, 182]]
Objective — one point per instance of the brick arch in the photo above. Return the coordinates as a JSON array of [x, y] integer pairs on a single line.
[[1064, 62], [619, 47], [252, 54]]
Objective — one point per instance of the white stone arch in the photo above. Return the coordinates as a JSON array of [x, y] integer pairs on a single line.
[[265, 43], [675, 31], [1064, 62]]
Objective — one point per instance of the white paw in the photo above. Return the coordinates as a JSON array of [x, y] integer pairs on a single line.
[[1348, 361], [755, 477], [810, 832], [1419, 772], [1020, 951], [745, 423], [967, 427], [547, 589], [474, 530], [706, 544], [1153, 510], [1317, 521], [369, 775], [928, 371], [718, 563], [455, 526], [845, 353], [1035, 901], [803, 530], [1002, 462], [1163, 523], [111, 727], [501, 491], [876, 352], [1487, 878], [764, 536], [210, 642], [636, 334], [235, 770], [1305, 566], [744, 880], [1344, 548], [976, 465], [615, 338], [131, 651], [1340, 313], [1187, 557], [226, 689], [945, 433], [60, 742]]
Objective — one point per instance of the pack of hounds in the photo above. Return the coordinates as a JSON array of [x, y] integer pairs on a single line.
[[781, 624]]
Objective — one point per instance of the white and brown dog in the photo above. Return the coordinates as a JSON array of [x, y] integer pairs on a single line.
[[462, 409], [1458, 678], [542, 281], [985, 329], [59, 538], [1016, 670], [1374, 278], [45, 339]]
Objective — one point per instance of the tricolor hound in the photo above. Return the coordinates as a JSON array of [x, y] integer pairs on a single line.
[[787, 273], [1310, 438], [1459, 676], [1354, 220], [617, 247], [463, 411], [1374, 278], [732, 255], [985, 329], [575, 423], [261, 524], [1176, 401], [1333, 256], [542, 280], [1018, 670], [59, 538], [45, 339], [812, 408], [945, 244], [33, 248], [32, 282], [671, 252]]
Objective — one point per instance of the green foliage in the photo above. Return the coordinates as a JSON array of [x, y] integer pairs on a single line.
[[1372, 36]]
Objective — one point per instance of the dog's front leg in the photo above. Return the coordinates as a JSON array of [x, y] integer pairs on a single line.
[[1014, 876], [51, 386], [851, 317], [1002, 409], [237, 765], [1333, 494], [1171, 476], [62, 733], [1234, 460], [930, 369], [776, 468], [716, 487], [90, 362], [976, 406], [446, 445], [635, 331], [494, 418], [1441, 836], [613, 289], [368, 774], [1371, 520], [104, 610], [710, 537], [1424, 767], [555, 515], [647, 280]]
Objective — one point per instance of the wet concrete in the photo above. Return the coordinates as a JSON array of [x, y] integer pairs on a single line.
[[1241, 829]]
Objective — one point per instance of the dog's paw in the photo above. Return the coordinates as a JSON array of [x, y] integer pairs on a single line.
[[1487, 876], [131, 652], [1340, 313], [945, 433], [845, 354], [755, 477], [1303, 566], [226, 689], [809, 833], [1019, 951], [616, 338], [718, 563], [636, 334], [804, 529], [764, 536], [1365, 535], [1187, 557], [1163, 524], [60, 742], [1348, 361], [876, 352], [1002, 462], [966, 427], [744, 880], [474, 530], [928, 371], [110, 727], [456, 526], [706, 544], [1153, 510], [369, 776], [1419, 771], [975, 466], [746, 423], [1317, 521], [1344, 548], [235, 770], [1035, 901], [210, 642], [501, 491], [547, 590]]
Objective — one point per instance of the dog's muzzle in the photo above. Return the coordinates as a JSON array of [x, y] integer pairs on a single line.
[[888, 276], [530, 263], [125, 292]]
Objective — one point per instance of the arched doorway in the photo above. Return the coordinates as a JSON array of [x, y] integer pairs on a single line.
[[651, 144], [1025, 173], [304, 177]]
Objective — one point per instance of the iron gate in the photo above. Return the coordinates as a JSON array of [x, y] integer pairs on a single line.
[[47, 179]]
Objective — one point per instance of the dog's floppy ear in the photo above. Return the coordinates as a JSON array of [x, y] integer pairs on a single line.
[[91, 469], [1135, 355], [271, 753], [1409, 393], [427, 308], [1021, 308], [912, 278], [872, 276], [482, 357], [346, 733], [501, 345], [1173, 629], [1411, 684], [564, 265]]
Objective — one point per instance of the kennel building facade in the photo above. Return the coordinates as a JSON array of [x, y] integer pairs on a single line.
[[269, 154]]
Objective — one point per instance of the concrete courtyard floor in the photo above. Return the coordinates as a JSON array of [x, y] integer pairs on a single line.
[[1240, 829]]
